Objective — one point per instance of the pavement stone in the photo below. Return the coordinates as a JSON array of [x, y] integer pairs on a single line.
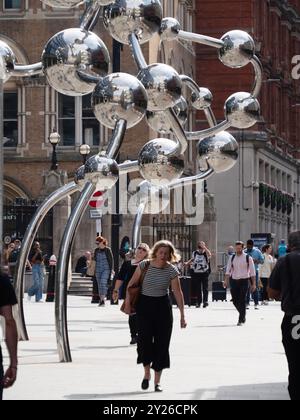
[[212, 359]]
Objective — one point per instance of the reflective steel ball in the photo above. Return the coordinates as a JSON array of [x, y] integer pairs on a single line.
[[163, 86], [169, 29], [102, 171], [124, 17], [203, 100], [219, 152], [238, 49], [242, 110], [7, 61], [159, 163], [159, 122], [79, 177], [71, 50], [119, 96], [62, 4]]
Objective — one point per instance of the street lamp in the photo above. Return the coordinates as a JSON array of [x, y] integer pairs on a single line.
[[84, 150], [54, 139]]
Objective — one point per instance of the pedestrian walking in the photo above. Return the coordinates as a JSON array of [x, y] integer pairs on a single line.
[[124, 276], [36, 261], [200, 271], [154, 310], [285, 285], [104, 267], [258, 259], [240, 271], [265, 271], [7, 301]]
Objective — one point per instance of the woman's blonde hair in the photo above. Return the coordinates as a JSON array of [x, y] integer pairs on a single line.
[[146, 247], [174, 255]]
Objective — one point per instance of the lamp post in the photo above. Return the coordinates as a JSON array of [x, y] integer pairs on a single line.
[[84, 150], [54, 139]]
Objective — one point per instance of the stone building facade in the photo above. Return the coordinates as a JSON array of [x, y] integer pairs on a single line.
[[261, 194]]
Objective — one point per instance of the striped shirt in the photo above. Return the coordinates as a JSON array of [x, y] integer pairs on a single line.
[[157, 280]]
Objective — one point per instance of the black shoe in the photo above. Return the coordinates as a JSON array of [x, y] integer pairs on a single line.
[[133, 341], [145, 384], [205, 305], [158, 388], [198, 305], [102, 303]]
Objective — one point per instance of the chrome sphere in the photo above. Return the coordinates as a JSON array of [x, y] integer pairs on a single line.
[[71, 50], [169, 29], [238, 49], [119, 96], [102, 171], [79, 177], [163, 86], [158, 162], [7, 61], [219, 152], [159, 122], [156, 199], [203, 100], [242, 110], [124, 17], [62, 4]]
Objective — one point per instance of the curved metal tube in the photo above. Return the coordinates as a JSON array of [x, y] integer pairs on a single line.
[[200, 135], [29, 236], [136, 230], [137, 52], [178, 131], [61, 279], [258, 68], [201, 39], [190, 83], [210, 116], [116, 141], [190, 180], [22, 70], [128, 167], [90, 16]]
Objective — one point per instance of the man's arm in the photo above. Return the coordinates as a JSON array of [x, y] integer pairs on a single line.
[[11, 336]]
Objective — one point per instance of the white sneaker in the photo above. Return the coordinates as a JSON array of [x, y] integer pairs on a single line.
[[29, 298], [256, 307]]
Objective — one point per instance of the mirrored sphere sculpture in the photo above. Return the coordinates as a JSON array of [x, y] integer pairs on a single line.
[[163, 86], [62, 4], [124, 17], [159, 122], [71, 50], [158, 162], [203, 100], [7, 61], [238, 49], [242, 110], [79, 176], [119, 96], [169, 29], [219, 152], [102, 171]]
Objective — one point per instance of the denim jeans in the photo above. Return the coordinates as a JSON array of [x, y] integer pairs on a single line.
[[255, 295], [38, 282]]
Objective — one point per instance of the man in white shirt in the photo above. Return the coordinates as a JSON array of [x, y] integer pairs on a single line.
[[240, 269]]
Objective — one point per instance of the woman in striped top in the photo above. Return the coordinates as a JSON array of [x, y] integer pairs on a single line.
[[154, 310]]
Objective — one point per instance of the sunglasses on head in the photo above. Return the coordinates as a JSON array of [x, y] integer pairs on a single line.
[[142, 249]]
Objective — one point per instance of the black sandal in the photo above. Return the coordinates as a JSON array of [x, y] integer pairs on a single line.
[[158, 388], [145, 384]]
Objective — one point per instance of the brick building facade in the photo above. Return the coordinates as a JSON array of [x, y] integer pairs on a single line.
[[264, 186]]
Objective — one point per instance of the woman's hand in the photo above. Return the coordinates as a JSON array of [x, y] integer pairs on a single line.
[[183, 323], [127, 308]]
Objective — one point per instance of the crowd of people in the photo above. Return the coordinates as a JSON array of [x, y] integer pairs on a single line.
[[250, 272]]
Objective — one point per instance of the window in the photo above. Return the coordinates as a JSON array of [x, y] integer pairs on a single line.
[[12, 4], [10, 119], [76, 121]]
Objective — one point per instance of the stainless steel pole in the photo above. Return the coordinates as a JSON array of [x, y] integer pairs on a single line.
[[1, 167]]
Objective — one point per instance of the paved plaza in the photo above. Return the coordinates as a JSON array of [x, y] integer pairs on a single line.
[[212, 359]]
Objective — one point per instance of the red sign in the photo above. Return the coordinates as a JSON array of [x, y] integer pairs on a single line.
[[97, 200]]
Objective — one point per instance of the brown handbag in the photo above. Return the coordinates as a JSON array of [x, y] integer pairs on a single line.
[[134, 291]]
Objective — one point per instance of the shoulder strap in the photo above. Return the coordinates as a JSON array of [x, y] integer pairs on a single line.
[[232, 259]]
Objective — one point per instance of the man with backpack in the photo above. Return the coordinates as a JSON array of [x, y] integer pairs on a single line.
[[240, 271], [285, 286], [200, 271]]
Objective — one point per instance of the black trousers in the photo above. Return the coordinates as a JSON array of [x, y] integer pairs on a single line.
[[292, 350], [155, 323], [239, 290], [265, 283], [132, 321], [200, 287]]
